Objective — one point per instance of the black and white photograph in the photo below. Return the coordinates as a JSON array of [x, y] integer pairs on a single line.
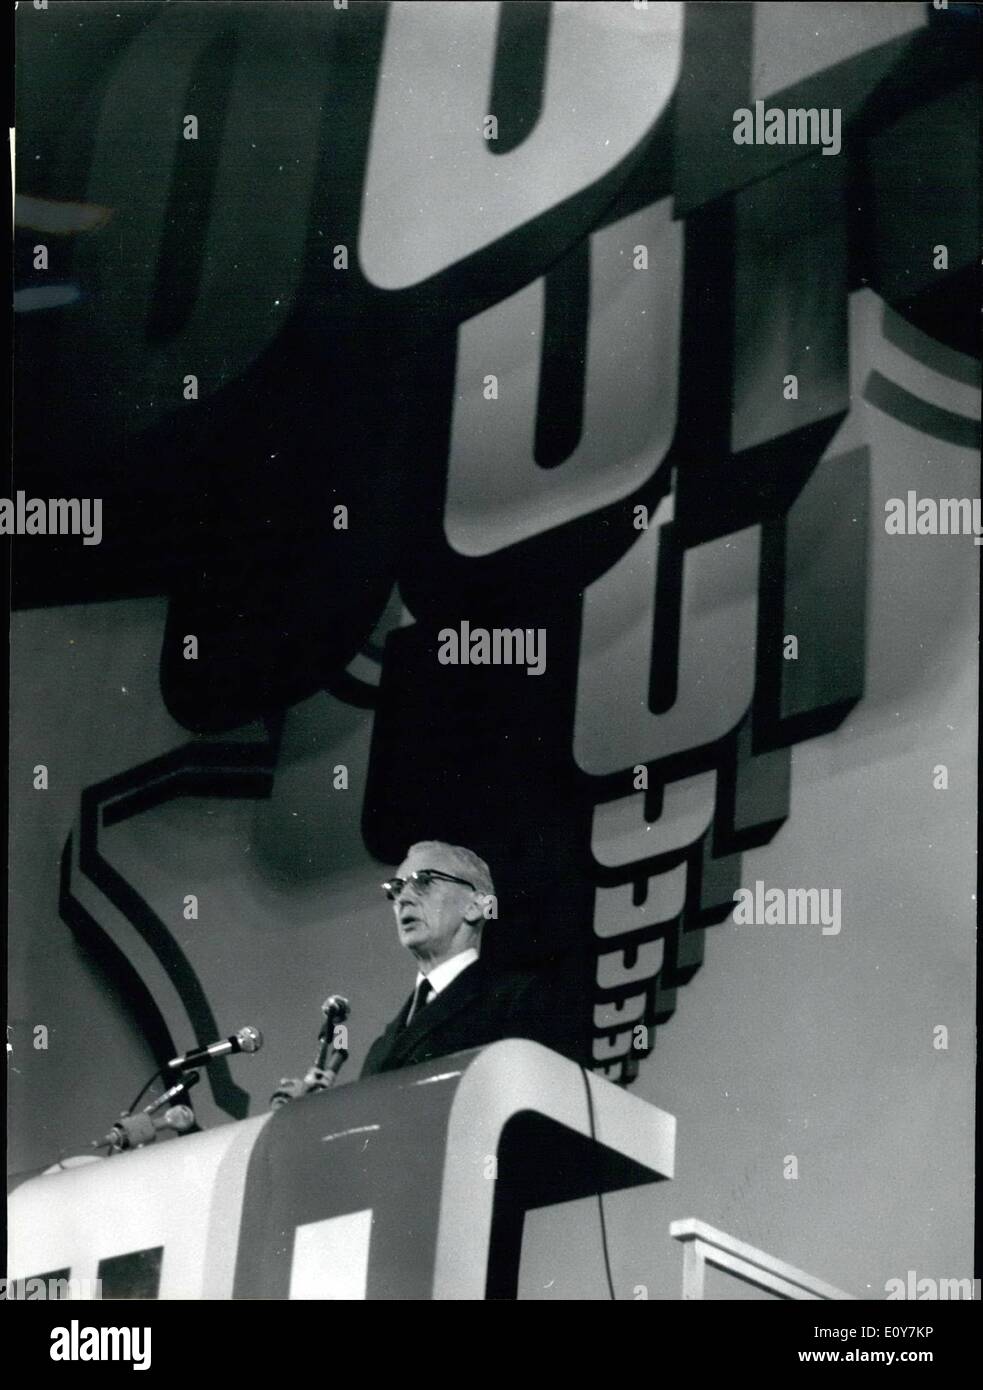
[[493, 532]]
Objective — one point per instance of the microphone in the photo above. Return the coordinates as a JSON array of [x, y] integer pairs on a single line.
[[336, 1009], [247, 1039], [180, 1118], [328, 1061], [181, 1087], [134, 1131], [327, 1064]]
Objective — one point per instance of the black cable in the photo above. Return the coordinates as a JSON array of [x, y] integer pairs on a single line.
[[143, 1091], [597, 1183]]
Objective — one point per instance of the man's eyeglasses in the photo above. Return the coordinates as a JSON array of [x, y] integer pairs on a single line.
[[421, 881]]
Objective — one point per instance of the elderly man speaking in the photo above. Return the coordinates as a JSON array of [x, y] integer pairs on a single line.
[[440, 899]]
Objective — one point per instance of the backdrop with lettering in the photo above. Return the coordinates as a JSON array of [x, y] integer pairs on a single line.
[[371, 323]]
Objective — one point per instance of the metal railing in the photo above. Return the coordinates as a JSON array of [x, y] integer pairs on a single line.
[[703, 1245]]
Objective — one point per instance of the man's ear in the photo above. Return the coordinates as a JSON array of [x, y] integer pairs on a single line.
[[474, 913], [482, 908]]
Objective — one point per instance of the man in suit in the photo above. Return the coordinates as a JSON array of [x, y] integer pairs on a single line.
[[440, 897]]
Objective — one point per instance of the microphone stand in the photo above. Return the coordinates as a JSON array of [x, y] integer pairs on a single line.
[[135, 1131], [328, 1060]]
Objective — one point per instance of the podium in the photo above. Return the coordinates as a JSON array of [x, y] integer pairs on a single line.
[[409, 1185]]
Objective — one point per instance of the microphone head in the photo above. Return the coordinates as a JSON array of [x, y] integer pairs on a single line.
[[180, 1118], [336, 1007], [249, 1039]]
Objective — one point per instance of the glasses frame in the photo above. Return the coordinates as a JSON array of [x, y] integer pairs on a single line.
[[392, 892]]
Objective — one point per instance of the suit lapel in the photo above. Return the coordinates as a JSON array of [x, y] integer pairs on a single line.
[[458, 995], [381, 1050]]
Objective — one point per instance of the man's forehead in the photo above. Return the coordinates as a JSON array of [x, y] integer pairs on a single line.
[[436, 858]]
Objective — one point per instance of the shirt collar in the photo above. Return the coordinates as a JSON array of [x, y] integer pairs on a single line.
[[442, 975]]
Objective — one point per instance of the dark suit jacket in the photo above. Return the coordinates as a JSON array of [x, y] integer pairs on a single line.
[[478, 1007]]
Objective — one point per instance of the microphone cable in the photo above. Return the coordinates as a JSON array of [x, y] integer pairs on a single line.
[[143, 1091], [592, 1119]]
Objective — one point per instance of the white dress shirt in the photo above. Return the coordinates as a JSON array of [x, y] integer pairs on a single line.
[[442, 975]]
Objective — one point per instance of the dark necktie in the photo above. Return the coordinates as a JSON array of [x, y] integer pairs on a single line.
[[421, 994]]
